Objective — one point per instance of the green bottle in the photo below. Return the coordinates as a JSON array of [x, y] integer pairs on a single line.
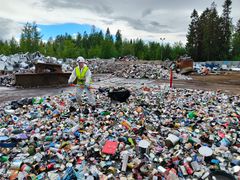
[[105, 113], [48, 138], [4, 159], [192, 114]]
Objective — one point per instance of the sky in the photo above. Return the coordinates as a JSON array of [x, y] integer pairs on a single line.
[[150, 20]]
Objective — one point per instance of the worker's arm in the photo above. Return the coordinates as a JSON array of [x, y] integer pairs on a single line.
[[72, 77], [88, 77]]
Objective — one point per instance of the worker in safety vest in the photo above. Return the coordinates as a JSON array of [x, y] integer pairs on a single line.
[[83, 75]]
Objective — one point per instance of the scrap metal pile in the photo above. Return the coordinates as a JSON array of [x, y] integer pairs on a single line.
[[147, 71], [24, 63], [158, 134], [7, 80]]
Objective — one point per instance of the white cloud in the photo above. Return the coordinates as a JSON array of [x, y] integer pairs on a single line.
[[9, 28], [146, 19]]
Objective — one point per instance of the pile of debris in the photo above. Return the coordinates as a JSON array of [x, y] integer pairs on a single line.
[[7, 80], [148, 71], [216, 66], [127, 58], [99, 66], [157, 134], [25, 62]]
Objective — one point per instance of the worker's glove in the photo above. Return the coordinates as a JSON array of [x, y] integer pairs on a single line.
[[70, 84]]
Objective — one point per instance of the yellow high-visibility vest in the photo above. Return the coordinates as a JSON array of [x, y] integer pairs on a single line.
[[81, 76]]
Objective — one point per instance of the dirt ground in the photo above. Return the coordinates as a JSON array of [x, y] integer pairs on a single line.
[[228, 82]]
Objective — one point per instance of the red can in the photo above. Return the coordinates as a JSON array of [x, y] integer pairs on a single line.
[[188, 168], [81, 120], [50, 166]]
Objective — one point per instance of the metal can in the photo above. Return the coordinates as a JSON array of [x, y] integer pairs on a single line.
[[26, 168], [188, 168], [195, 166], [48, 138], [124, 160], [54, 150], [183, 170], [16, 165], [50, 166], [205, 175], [31, 177], [171, 140]]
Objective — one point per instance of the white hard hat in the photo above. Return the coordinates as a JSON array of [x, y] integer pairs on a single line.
[[81, 59]]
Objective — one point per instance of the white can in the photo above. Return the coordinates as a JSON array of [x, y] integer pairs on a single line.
[[171, 140], [74, 129], [125, 156], [143, 147]]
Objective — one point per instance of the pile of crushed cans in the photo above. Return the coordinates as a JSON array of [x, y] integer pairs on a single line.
[[158, 133]]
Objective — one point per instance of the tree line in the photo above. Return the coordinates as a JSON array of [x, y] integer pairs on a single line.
[[210, 37], [92, 45]]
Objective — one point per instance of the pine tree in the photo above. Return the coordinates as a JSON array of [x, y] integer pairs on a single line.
[[226, 28], [36, 38], [85, 44], [108, 48], [14, 48], [108, 35], [209, 25], [30, 38], [237, 29], [177, 50], [127, 48], [118, 42], [4, 48], [193, 38], [139, 49], [236, 42], [213, 34]]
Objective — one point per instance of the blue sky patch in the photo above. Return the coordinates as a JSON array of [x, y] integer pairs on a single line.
[[48, 31]]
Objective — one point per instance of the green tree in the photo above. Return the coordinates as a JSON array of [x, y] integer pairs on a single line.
[[177, 50], [226, 28], [14, 47], [49, 51], [69, 49], [118, 42], [127, 48], [85, 44], [95, 52], [152, 50], [209, 30], [236, 42], [108, 48], [167, 51], [108, 35], [4, 48], [193, 37], [30, 38]]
